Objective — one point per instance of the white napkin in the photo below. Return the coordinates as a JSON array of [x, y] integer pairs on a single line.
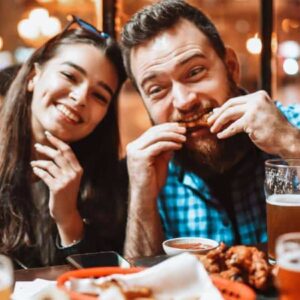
[[181, 277]]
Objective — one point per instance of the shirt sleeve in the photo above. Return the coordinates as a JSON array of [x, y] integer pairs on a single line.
[[291, 112]]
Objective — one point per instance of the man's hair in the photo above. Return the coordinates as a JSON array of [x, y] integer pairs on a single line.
[[153, 19]]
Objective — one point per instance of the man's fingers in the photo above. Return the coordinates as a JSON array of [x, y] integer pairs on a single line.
[[228, 116], [232, 129]]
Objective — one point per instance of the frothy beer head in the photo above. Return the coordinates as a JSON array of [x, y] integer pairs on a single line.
[[284, 200]]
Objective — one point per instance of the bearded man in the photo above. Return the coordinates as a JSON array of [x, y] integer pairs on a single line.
[[199, 170]]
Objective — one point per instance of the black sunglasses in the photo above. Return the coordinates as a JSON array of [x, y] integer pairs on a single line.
[[86, 26]]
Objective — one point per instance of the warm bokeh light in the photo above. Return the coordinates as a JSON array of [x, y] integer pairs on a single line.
[[50, 26], [290, 66], [27, 29], [290, 49], [38, 27], [38, 15], [1, 43], [254, 45]]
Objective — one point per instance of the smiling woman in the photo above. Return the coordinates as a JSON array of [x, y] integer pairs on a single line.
[[60, 188]]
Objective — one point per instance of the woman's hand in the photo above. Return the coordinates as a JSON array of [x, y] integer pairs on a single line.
[[62, 173]]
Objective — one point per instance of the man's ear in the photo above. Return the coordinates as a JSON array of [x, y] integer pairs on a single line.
[[34, 77], [232, 64]]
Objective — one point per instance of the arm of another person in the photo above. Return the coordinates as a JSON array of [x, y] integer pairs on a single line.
[[258, 116], [147, 161]]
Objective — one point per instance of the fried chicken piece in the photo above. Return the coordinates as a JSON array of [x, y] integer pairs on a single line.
[[239, 263], [252, 263], [233, 274], [214, 260]]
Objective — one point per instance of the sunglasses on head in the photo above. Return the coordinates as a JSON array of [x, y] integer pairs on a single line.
[[86, 26]]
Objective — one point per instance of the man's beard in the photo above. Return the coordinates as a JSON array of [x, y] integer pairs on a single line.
[[208, 155]]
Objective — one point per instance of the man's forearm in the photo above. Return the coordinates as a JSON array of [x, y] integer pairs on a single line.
[[144, 233]]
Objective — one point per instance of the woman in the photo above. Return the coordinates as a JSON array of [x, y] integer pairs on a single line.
[[59, 179]]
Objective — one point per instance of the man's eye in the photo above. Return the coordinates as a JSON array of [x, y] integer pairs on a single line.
[[196, 71], [155, 90], [69, 76]]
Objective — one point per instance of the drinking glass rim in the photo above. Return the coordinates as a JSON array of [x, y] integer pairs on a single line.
[[283, 163]]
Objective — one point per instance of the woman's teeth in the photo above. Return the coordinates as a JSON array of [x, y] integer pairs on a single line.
[[69, 114]]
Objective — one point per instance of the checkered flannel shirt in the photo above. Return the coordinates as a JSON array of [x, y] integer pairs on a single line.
[[188, 207]]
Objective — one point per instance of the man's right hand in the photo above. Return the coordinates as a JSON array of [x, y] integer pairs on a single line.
[[147, 159], [149, 155]]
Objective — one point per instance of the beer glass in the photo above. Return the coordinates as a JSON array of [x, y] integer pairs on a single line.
[[288, 262], [282, 189], [6, 277]]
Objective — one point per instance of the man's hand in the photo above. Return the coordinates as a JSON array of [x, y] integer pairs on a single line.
[[147, 159], [62, 173], [149, 155], [257, 115]]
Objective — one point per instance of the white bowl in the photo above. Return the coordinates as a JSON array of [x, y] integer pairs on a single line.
[[197, 245]]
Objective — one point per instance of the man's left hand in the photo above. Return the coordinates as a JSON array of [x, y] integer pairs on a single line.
[[257, 115]]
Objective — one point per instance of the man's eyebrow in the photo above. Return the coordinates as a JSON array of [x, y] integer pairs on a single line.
[[180, 63], [187, 59], [82, 71]]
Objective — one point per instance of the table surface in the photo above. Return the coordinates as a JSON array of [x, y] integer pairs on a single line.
[[51, 273]]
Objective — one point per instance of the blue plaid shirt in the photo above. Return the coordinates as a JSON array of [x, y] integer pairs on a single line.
[[188, 206]]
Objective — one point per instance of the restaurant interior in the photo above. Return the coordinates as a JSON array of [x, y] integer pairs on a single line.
[[249, 27]]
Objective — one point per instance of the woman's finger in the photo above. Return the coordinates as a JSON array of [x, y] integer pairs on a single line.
[[45, 176], [48, 166], [65, 149], [55, 155]]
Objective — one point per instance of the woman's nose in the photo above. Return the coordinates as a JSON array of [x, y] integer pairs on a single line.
[[79, 95], [183, 98]]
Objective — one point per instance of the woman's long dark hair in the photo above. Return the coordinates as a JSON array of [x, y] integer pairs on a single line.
[[97, 153]]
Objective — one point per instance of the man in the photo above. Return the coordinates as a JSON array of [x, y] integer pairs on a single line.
[[199, 170]]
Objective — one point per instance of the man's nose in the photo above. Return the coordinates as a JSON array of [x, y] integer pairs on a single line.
[[183, 98]]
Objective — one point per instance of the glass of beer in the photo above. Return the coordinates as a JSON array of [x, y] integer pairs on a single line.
[[6, 277], [282, 189], [288, 262]]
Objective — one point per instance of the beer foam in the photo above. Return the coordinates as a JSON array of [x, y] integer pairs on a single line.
[[290, 261], [284, 200]]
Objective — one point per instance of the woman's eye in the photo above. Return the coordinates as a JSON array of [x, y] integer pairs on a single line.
[[100, 98], [69, 76]]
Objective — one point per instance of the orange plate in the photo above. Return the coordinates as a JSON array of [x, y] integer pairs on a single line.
[[230, 290]]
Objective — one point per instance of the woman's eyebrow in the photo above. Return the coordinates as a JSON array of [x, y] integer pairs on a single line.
[[82, 71], [78, 68]]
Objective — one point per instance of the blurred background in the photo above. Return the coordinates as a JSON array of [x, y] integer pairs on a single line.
[[26, 24]]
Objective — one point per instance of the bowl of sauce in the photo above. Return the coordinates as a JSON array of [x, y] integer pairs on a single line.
[[189, 244]]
